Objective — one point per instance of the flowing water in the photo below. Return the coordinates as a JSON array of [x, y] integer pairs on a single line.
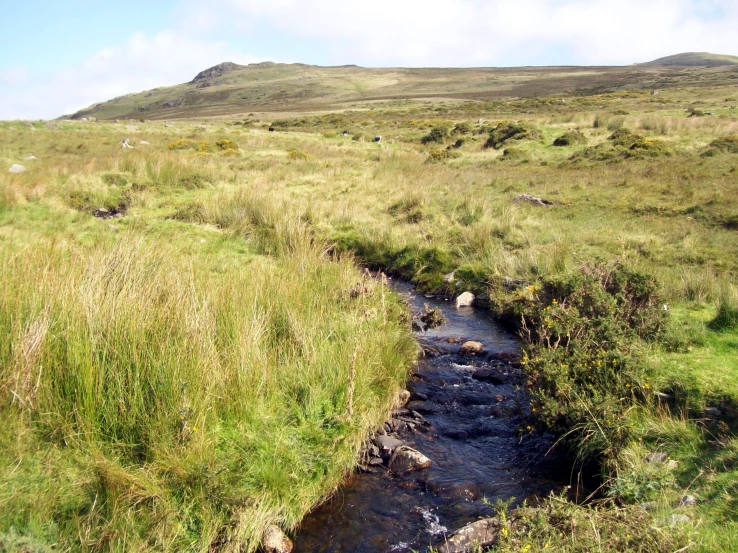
[[472, 436]]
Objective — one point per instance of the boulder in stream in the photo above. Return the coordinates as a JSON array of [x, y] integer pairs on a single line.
[[481, 533], [275, 541], [472, 347], [406, 459], [465, 300]]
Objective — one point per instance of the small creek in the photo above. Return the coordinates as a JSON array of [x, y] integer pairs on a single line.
[[471, 435]]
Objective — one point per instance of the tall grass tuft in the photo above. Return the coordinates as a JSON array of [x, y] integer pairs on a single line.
[[179, 406]]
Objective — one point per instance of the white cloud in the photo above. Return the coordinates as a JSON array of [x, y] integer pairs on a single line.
[[143, 62], [494, 32], [381, 33]]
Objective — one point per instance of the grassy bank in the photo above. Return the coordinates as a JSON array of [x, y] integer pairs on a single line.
[[237, 244], [176, 390]]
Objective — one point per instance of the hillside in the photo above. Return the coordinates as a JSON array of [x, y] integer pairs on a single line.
[[693, 59], [229, 88]]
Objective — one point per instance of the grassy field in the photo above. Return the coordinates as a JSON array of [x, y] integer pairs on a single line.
[[206, 364]]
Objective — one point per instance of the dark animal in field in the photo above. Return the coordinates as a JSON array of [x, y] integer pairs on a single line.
[[272, 129], [377, 139]]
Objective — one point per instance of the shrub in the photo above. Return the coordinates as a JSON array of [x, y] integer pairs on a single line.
[[508, 131], [584, 330], [570, 138], [514, 154], [462, 128], [437, 156], [439, 133], [225, 144], [726, 144], [183, 144], [298, 155]]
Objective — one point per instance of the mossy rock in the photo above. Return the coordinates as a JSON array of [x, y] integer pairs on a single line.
[[570, 138]]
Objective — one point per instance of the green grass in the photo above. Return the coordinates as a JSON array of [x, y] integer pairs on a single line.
[[221, 302]]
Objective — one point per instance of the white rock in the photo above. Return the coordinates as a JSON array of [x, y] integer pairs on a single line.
[[406, 459], [275, 541], [144, 143], [465, 300], [30, 158], [17, 168], [471, 537]]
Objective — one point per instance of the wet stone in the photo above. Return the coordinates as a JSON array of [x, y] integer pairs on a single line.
[[688, 501], [471, 347], [481, 533], [406, 459], [422, 407], [488, 375]]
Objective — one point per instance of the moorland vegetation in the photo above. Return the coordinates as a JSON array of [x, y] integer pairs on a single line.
[[192, 352]]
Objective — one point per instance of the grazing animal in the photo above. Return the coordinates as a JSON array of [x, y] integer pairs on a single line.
[[377, 139], [125, 144], [345, 133], [272, 129]]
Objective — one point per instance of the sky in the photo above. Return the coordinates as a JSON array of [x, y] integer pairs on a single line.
[[58, 57]]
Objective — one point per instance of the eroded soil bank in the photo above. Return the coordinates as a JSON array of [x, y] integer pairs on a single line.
[[465, 414]]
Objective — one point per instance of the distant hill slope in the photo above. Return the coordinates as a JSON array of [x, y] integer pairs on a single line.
[[693, 59], [229, 88]]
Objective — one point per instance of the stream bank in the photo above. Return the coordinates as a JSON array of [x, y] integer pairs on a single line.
[[464, 414]]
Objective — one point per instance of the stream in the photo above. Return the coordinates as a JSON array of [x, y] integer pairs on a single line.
[[464, 414]]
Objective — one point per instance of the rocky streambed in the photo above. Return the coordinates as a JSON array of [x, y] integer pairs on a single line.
[[446, 457]]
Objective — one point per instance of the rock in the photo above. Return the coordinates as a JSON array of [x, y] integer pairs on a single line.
[[508, 357], [17, 168], [656, 457], [387, 444], [532, 200], [713, 412], [173, 103], [449, 278], [471, 537], [275, 541], [472, 347], [406, 459], [422, 407], [510, 284], [488, 375], [688, 501], [465, 300], [144, 143], [673, 520], [30, 158], [51, 126], [404, 397]]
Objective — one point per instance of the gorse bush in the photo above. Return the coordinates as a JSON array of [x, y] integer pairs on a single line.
[[584, 331], [504, 132], [570, 138], [438, 134], [437, 156]]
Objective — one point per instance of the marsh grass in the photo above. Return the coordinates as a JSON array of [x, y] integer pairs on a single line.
[[221, 301]]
